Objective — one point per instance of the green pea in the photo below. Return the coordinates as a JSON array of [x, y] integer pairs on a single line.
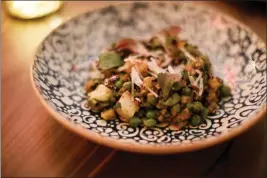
[[197, 107], [151, 114], [150, 122], [189, 106], [135, 122], [186, 91], [175, 98], [151, 99], [118, 84], [176, 86], [195, 120], [225, 91], [204, 113], [127, 85], [175, 109]]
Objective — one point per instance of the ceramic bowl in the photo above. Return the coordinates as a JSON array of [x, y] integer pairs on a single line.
[[60, 70]]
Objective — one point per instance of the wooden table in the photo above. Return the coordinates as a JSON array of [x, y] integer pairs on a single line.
[[34, 144]]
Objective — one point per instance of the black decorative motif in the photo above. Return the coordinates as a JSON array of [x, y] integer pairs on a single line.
[[238, 56]]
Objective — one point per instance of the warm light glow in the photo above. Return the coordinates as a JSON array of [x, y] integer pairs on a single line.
[[32, 9], [55, 22]]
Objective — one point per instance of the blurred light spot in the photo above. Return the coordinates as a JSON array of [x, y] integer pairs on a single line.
[[55, 22], [32, 9]]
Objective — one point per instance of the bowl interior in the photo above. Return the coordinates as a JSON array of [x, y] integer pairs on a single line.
[[238, 56]]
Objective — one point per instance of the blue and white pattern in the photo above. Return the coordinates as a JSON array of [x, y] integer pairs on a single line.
[[238, 56]]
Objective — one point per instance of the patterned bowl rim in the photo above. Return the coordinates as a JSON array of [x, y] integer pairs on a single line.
[[146, 148]]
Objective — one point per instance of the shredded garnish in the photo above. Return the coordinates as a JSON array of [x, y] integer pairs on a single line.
[[151, 91], [187, 54], [153, 66], [137, 81], [136, 78], [167, 60], [198, 78], [179, 68], [191, 79], [171, 70]]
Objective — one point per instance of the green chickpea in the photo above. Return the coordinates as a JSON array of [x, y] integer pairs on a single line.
[[225, 91], [175, 98], [204, 113], [189, 106], [195, 120], [186, 91], [127, 85], [135, 122], [151, 99], [197, 107], [151, 114], [150, 122], [175, 109], [118, 84], [176, 86]]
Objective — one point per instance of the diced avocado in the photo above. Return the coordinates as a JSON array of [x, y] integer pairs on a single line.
[[101, 93], [128, 107], [108, 114]]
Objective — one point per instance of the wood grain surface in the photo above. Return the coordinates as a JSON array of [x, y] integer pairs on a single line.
[[34, 144]]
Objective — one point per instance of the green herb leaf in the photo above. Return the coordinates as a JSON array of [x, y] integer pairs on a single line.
[[109, 60], [166, 82]]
